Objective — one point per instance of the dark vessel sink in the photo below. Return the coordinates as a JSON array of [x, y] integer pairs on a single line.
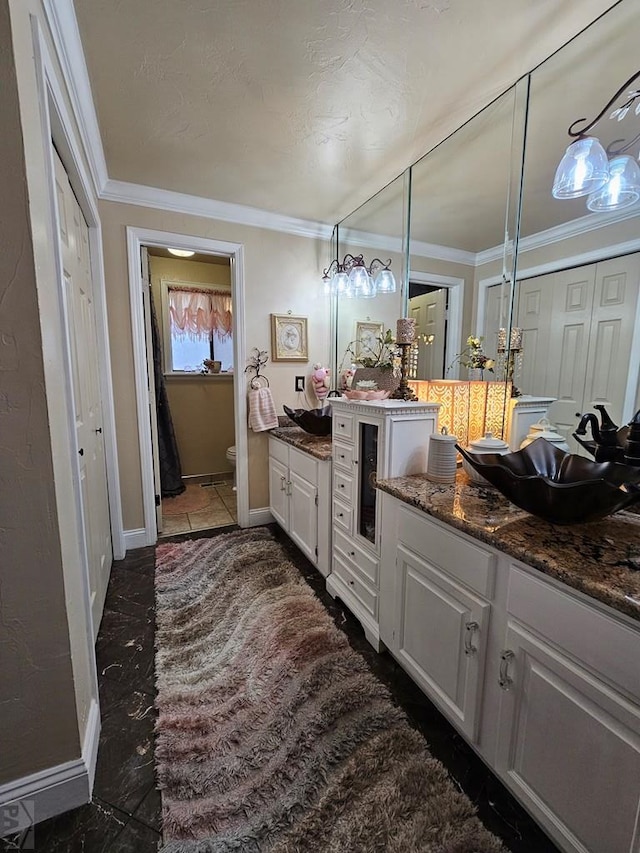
[[558, 486], [314, 421]]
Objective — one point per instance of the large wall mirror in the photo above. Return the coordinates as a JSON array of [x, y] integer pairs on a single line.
[[378, 231], [463, 214], [578, 269]]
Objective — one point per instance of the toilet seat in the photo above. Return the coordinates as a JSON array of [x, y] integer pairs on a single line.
[[231, 452]]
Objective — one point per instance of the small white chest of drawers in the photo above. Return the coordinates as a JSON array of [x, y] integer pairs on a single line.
[[371, 441]]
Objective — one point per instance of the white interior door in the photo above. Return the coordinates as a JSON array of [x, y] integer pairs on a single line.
[[429, 311], [78, 290], [145, 282]]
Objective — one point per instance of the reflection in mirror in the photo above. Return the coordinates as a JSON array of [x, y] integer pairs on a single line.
[[376, 230], [578, 271], [461, 208], [464, 197]]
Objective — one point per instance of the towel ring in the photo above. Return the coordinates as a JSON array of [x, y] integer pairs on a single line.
[[255, 380]]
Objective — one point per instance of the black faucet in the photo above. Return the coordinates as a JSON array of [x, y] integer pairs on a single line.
[[606, 445]]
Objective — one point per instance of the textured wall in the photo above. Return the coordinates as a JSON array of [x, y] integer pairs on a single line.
[[39, 726]]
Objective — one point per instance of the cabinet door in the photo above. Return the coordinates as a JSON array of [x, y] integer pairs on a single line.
[[278, 497], [303, 515], [440, 638], [569, 746]]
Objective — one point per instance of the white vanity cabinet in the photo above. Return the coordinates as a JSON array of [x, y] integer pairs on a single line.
[[541, 680], [370, 441], [436, 592], [299, 499], [568, 706]]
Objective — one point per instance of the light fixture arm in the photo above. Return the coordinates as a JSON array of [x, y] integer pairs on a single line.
[[376, 262], [580, 134]]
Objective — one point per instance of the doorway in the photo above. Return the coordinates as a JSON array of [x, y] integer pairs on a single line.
[[192, 375], [235, 504], [435, 301]]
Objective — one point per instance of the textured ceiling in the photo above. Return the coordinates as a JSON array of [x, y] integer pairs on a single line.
[[301, 108]]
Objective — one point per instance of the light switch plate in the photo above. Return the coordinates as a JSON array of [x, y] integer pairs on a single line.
[[299, 383]]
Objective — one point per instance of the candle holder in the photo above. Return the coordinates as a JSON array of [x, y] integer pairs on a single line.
[[403, 392]]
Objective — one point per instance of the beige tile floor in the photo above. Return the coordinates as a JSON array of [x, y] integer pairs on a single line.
[[204, 507]]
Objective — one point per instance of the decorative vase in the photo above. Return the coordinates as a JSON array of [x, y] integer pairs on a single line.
[[476, 374], [386, 380]]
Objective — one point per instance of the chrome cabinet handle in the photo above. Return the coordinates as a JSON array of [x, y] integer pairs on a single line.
[[282, 482], [505, 681], [289, 487], [470, 629]]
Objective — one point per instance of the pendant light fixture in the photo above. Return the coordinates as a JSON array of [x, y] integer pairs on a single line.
[[352, 278], [610, 178]]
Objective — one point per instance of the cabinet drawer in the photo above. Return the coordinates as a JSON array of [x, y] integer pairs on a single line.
[[343, 426], [279, 450], [450, 552], [351, 553], [606, 646], [303, 465], [343, 455], [342, 515], [365, 596], [343, 486]]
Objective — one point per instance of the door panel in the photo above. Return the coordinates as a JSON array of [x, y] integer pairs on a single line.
[[303, 515], [429, 312], [80, 313]]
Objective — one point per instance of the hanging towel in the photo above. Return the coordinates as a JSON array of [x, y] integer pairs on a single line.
[[262, 410]]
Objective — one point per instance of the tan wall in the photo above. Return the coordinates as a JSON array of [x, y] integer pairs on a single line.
[[282, 273], [201, 407], [39, 726]]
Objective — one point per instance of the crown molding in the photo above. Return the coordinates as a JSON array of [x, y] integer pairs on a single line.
[[63, 25], [443, 253], [127, 193], [565, 231]]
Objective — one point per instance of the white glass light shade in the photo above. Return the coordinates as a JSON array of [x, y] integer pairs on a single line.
[[385, 282], [621, 190], [340, 284], [367, 289], [584, 169], [359, 279]]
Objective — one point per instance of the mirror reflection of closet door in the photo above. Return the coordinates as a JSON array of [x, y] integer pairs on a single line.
[[578, 331], [429, 311]]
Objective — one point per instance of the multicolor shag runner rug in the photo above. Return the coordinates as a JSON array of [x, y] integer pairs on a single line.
[[272, 734]]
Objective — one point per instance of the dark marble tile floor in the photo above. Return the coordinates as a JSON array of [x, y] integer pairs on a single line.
[[124, 815]]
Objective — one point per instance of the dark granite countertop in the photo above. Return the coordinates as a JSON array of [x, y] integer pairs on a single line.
[[601, 559], [315, 445]]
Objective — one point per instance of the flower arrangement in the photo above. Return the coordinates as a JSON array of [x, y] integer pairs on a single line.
[[380, 351], [473, 356]]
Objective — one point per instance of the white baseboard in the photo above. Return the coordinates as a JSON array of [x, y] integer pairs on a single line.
[[135, 538], [260, 516], [56, 789], [91, 742]]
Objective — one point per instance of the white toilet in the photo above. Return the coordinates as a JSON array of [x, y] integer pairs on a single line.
[[231, 458]]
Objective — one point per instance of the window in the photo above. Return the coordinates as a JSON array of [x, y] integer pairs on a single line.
[[198, 326]]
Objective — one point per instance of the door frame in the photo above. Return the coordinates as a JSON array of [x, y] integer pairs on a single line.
[[455, 286], [591, 257], [136, 238]]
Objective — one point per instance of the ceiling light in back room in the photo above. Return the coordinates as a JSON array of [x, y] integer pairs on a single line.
[[181, 253]]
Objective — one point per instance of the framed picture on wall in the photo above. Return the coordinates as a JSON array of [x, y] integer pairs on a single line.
[[366, 337], [289, 338]]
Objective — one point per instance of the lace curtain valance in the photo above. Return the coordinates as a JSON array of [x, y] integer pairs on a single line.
[[200, 313]]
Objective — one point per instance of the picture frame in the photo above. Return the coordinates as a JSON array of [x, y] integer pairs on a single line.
[[365, 336], [289, 339]]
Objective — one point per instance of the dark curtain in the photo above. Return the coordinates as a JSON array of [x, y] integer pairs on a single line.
[[170, 469]]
